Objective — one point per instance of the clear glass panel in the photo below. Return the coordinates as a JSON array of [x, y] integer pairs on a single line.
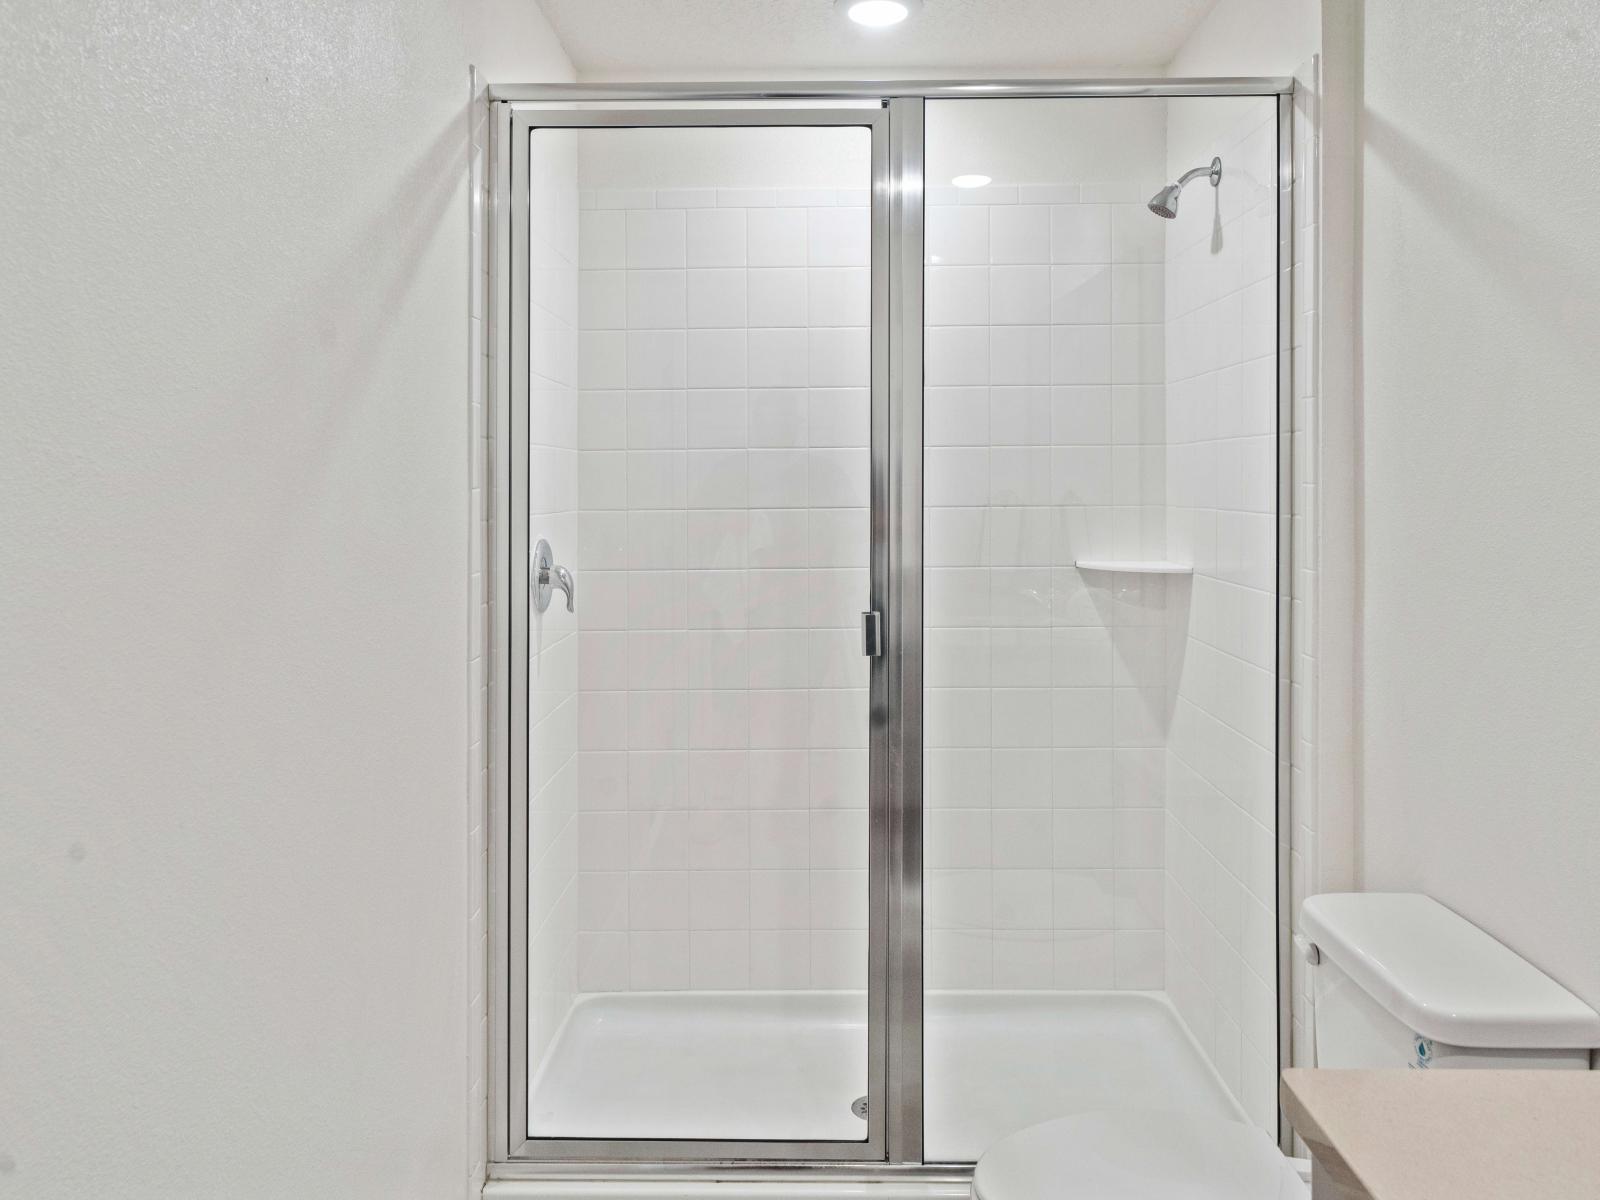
[[1101, 388], [698, 836]]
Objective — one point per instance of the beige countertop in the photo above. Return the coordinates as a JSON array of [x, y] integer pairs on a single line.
[[1451, 1135]]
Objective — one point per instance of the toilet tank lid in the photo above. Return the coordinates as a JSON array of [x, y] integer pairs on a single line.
[[1443, 976]]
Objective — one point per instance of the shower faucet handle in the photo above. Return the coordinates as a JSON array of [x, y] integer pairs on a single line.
[[546, 576], [563, 580]]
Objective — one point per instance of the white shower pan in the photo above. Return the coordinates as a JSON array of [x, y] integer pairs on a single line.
[[789, 1065]]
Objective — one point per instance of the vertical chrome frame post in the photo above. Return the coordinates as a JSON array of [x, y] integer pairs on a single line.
[[1284, 775], [904, 661], [507, 755]]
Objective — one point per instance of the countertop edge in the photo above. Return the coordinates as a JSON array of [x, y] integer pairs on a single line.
[[1327, 1155], [1476, 1134]]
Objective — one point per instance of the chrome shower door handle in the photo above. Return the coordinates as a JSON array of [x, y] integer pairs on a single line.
[[545, 576], [872, 634]]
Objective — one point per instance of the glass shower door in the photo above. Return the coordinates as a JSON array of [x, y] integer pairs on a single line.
[[702, 877], [1102, 441]]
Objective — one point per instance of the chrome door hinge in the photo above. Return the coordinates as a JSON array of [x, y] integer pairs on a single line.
[[872, 634]]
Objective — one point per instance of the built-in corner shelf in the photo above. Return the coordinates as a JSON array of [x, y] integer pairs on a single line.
[[1133, 566]]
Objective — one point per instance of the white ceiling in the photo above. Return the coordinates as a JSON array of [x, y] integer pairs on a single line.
[[710, 39]]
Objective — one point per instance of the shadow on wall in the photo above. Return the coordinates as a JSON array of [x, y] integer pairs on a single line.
[[1541, 271], [352, 323], [327, 378]]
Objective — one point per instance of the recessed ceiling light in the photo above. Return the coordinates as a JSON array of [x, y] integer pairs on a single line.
[[876, 14], [971, 181]]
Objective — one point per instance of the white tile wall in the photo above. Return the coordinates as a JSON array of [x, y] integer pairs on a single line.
[[1221, 464], [722, 483], [1046, 706], [553, 829], [1100, 383]]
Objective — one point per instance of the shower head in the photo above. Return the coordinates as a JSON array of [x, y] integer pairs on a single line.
[[1165, 202]]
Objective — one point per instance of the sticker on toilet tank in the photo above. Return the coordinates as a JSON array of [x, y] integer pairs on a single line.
[[1424, 1049]]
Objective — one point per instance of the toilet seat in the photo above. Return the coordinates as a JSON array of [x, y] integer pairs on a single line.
[[1136, 1155]]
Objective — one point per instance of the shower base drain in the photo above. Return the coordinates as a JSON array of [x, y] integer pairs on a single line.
[[859, 1107]]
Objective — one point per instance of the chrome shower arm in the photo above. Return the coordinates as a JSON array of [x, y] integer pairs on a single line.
[[1214, 170]]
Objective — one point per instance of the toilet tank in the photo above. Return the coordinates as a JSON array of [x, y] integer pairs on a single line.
[[1400, 980]]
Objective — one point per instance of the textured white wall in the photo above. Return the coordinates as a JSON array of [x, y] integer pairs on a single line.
[[1481, 278], [1251, 37], [233, 504]]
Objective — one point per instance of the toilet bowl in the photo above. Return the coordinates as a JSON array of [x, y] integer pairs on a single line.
[[1135, 1155]]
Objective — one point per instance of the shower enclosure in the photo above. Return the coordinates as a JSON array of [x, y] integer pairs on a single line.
[[889, 616]]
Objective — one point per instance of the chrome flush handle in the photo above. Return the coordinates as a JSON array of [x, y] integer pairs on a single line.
[[546, 576]]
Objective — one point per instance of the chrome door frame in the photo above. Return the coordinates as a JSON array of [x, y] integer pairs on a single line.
[[1283, 750], [895, 1127], [509, 855], [887, 89]]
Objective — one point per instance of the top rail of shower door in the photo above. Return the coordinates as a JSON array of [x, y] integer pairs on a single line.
[[872, 89]]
